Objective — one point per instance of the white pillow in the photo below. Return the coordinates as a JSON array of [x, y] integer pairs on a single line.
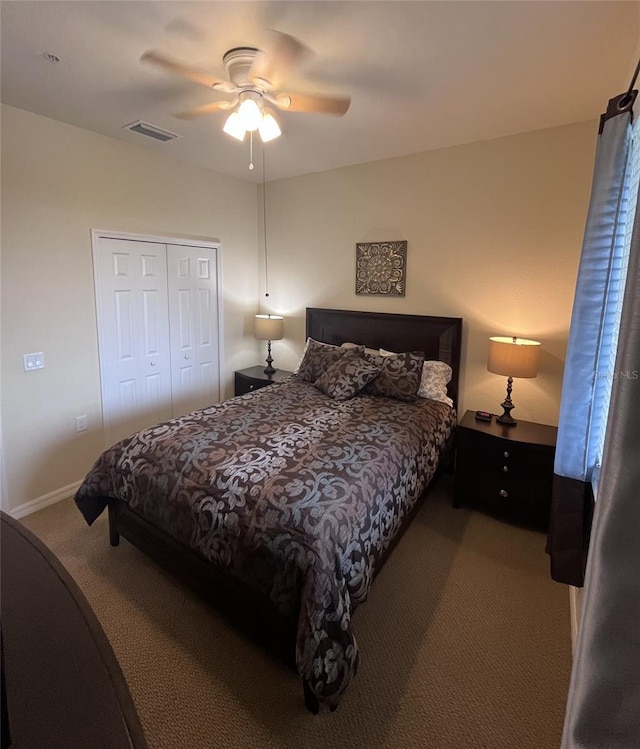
[[436, 375], [371, 351]]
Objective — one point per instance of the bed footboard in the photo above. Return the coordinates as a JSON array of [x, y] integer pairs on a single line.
[[114, 536], [311, 702], [251, 613]]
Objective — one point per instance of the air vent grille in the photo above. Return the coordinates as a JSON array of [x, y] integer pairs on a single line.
[[151, 131]]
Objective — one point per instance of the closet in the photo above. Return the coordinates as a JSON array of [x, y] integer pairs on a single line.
[[157, 306]]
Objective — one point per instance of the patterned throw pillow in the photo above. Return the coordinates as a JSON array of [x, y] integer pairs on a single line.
[[399, 376], [436, 375], [347, 376], [317, 358]]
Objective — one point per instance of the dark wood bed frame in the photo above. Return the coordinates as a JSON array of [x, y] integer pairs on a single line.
[[252, 613]]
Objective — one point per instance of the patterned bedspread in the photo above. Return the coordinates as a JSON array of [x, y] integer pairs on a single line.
[[296, 494]]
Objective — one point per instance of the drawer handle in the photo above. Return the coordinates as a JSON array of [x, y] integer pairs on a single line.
[[251, 386], [504, 493], [505, 469], [506, 454]]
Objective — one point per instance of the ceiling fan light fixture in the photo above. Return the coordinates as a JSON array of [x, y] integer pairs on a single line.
[[269, 128], [253, 78], [250, 114], [234, 127], [283, 101]]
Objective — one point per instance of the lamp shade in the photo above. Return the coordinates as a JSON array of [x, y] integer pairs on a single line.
[[234, 127], [513, 357], [249, 114], [269, 128], [268, 327]]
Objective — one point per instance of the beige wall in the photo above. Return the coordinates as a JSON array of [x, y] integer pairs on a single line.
[[494, 233], [59, 182], [493, 228]]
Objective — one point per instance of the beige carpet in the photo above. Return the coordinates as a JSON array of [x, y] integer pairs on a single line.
[[464, 644]]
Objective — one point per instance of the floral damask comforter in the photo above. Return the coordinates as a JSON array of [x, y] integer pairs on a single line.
[[296, 494]]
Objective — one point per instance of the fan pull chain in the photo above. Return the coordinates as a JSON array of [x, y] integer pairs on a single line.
[[251, 149], [264, 224]]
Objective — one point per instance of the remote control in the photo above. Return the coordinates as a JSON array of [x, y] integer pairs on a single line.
[[483, 416]]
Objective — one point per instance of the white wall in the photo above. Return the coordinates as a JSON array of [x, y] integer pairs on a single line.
[[59, 182], [494, 233]]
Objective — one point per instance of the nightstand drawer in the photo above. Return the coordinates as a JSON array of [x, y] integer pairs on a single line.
[[244, 385], [499, 456], [254, 378], [524, 502]]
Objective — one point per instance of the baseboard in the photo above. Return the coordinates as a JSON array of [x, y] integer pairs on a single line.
[[44, 501], [575, 604]]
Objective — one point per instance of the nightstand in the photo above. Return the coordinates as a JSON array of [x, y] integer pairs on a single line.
[[254, 378], [505, 470]]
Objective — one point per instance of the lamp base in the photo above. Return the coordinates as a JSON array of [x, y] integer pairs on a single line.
[[506, 418], [507, 406], [269, 370]]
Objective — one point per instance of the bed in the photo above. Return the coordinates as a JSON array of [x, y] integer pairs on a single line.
[[283, 504]]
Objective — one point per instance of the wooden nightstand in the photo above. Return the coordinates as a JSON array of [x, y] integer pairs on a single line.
[[505, 470], [253, 378]]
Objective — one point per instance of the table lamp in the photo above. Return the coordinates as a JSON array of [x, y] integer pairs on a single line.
[[268, 328], [512, 357]]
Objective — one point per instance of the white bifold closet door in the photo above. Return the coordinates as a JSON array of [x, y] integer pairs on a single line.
[[157, 313], [193, 323]]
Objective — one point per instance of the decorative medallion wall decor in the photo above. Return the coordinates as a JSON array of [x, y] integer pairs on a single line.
[[381, 268]]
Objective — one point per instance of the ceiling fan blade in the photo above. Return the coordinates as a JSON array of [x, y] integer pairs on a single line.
[[317, 103], [160, 59], [214, 106], [271, 67]]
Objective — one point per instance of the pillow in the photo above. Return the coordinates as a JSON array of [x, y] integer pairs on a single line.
[[436, 375], [317, 358], [304, 351], [399, 375], [347, 376], [371, 351]]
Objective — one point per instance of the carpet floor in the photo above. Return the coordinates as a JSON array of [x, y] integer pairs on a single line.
[[464, 643]]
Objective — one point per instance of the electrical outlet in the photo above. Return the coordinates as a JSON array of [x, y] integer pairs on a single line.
[[81, 423]]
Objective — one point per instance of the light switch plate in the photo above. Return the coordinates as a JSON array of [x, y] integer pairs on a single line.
[[33, 361]]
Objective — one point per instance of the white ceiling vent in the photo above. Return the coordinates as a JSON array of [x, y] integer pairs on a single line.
[[151, 131]]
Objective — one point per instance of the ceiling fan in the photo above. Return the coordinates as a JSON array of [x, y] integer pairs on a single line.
[[254, 80]]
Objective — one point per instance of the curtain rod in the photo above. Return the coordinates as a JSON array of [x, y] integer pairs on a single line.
[[622, 102], [633, 79]]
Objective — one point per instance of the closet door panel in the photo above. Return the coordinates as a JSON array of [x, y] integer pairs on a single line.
[[194, 325], [207, 321], [133, 323]]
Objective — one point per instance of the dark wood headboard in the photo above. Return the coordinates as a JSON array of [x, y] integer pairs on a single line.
[[439, 337]]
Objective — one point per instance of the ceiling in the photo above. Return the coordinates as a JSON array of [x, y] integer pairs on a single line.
[[421, 75]]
